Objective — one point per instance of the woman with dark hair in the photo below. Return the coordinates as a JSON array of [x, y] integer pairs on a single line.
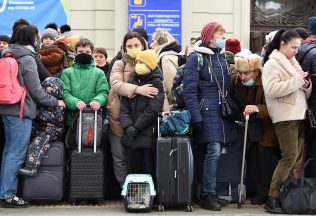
[[286, 89], [42, 71], [121, 72], [18, 131]]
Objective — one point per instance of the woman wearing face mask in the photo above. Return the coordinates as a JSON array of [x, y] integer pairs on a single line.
[[201, 98], [262, 149], [122, 71], [286, 88], [139, 115]]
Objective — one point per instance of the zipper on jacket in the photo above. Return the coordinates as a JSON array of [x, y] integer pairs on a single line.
[[201, 104], [223, 86]]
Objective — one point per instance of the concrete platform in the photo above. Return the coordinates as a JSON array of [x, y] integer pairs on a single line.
[[116, 208]]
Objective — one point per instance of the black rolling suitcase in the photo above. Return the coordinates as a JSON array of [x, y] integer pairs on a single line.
[[174, 172], [86, 171], [48, 184]]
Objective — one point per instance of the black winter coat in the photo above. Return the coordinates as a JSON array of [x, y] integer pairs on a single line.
[[308, 64], [142, 112]]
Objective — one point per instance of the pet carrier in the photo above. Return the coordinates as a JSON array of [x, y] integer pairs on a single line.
[[138, 193]]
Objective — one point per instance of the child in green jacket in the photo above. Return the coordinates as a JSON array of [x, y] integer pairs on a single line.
[[83, 82]]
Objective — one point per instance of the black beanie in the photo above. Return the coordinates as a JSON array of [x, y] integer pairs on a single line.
[[142, 32], [5, 38]]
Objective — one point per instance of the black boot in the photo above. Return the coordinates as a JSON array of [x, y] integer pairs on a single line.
[[273, 205], [258, 200], [28, 171], [210, 202], [221, 201]]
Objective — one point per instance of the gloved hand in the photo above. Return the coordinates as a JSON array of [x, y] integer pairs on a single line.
[[131, 132], [197, 126]]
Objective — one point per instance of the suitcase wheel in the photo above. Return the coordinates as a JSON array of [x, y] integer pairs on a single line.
[[100, 202], [161, 208], [74, 202], [189, 208]]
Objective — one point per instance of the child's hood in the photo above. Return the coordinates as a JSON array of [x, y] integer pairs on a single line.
[[54, 87]]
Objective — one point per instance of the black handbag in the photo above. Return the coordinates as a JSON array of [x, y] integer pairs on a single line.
[[299, 196], [229, 108], [311, 118]]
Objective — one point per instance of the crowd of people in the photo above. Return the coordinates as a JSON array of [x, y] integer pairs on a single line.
[[63, 73]]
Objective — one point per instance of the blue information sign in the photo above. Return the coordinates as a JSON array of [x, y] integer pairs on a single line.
[[153, 14], [37, 12]]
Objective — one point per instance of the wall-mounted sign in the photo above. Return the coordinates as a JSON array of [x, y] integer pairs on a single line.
[[152, 14]]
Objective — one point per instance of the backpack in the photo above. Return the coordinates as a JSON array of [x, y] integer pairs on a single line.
[[177, 86], [12, 90], [301, 58], [87, 129]]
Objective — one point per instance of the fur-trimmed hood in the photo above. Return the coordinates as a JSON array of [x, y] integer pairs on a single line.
[[198, 47]]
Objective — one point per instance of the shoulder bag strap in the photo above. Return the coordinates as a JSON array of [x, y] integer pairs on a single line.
[[215, 77]]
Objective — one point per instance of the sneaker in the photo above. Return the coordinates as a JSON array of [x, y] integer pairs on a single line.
[[28, 171], [221, 201], [210, 202], [273, 205], [14, 202]]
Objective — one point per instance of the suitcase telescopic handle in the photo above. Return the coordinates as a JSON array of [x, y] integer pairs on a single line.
[[95, 131], [80, 131], [158, 126]]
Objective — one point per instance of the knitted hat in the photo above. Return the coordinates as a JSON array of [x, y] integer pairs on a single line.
[[52, 31], [148, 57], [246, 63], [48, 35], [5, 38], [312, 25], [208, 31], [232, 45]]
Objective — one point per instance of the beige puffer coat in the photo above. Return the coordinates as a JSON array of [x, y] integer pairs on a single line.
[[121, 72]]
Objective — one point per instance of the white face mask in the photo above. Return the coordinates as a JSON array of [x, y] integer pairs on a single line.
[[249, 83]]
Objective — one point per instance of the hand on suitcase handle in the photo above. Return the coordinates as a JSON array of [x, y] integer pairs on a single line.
[[95, 105], [81, 105]]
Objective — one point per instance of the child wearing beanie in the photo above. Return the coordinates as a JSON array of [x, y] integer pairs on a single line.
[[52, 53], [4, 42], [139, 114]]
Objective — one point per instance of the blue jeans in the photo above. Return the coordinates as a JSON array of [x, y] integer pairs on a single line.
[[212, 156], [17, 134]]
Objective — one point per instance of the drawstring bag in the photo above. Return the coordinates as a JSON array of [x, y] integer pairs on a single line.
[[178, 123]]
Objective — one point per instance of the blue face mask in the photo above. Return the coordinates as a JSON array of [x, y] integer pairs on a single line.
[[249, 83], [220, 43]]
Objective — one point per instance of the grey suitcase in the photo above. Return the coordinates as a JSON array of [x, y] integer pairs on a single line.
[[174, 172], [48, 184]]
